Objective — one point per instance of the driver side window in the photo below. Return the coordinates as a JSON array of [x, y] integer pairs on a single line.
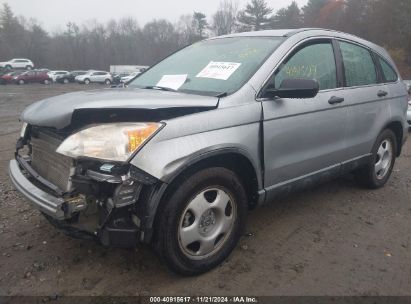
[[313, 62]]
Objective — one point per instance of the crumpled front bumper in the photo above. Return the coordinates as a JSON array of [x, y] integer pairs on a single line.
[[45, 202]]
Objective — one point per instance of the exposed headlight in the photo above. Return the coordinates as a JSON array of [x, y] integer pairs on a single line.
[[23, 130], [116, 141]]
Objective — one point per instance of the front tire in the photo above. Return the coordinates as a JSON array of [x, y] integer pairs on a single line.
[[377, 172], [65, 81], [202, 221], [107, 81], [87, 81], [21, 82], [29, 67]]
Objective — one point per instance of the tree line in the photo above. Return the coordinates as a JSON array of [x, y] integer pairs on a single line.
[[97, 45]]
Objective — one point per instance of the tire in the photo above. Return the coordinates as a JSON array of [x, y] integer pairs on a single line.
[[46, 81], [107, 81], [21, 82], [65, 81], [29, 67], [8, 67], [188, 205], [86, 81], [377, 172]]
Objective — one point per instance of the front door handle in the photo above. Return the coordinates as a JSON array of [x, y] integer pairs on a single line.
[[382, 93], [334, 100]]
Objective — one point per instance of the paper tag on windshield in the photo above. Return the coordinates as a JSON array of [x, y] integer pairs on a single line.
[[219, 70], [172, 81]]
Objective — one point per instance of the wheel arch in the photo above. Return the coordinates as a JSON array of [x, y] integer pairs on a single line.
[[397, 128], [232, 159]]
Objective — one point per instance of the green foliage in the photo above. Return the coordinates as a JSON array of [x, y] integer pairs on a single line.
[[289, 17], [200, 23], [256, 16]]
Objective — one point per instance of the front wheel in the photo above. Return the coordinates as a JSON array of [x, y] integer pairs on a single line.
[[86, 81], [202, 221], [29, 67], [21, 82], [376, 174], [65, 81], [46, 81], [107, 81]]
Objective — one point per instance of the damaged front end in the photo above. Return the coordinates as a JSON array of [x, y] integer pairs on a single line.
[[84, 197]]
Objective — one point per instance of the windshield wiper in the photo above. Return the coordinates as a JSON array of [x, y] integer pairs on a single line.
[[159, 88]]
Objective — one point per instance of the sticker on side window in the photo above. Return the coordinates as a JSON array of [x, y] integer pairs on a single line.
[[172, 81], [219, 70]]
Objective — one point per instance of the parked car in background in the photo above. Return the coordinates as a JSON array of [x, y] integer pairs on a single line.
[[130, 77], [8, 77], [32, 77], [95, 77], [54, 74], [70, 77], [17, 63]]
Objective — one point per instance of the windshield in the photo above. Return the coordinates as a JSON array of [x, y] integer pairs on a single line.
[[210, 67]]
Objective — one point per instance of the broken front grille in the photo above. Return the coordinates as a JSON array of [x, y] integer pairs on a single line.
[[49, 164]]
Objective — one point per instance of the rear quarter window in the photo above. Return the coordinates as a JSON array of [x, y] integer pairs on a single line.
[[388, 71]]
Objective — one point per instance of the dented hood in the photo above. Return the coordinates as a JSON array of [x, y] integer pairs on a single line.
[[57, 112]]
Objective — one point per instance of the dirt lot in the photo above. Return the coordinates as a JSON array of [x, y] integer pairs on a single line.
[[337, 239]]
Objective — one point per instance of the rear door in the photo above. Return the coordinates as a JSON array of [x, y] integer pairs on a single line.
[[366, 97], [304, 139]]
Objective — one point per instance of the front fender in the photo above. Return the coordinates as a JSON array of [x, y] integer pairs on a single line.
[[185, 140]]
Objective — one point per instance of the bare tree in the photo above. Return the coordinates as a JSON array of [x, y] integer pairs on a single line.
[[225, 19]]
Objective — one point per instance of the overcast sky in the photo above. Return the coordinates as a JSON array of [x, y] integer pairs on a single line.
[[54, 14]]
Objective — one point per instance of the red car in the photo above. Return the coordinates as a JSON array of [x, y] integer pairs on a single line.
[[31, 77], [8, 78]]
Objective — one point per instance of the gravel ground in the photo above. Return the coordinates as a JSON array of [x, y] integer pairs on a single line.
[[336, 239]]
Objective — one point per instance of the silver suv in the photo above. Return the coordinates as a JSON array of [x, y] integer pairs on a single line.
[[178, 157]]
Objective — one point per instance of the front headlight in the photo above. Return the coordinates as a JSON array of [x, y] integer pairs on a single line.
[[115, 142]]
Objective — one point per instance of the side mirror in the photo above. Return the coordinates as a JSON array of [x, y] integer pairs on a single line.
[[294, 88]]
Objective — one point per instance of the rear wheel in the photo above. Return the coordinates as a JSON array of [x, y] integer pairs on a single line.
[[202, 221], [21, 81], [8, 67], [65, 81], [46, 81], [29, 67], [107, 81], [86, 81], [378, 171]]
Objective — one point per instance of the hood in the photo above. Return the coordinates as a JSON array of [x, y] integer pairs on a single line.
[[57, 112]]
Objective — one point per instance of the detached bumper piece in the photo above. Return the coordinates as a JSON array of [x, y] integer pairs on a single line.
[[110, 218], [41, 200]]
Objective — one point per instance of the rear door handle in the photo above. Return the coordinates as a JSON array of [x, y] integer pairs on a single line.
[[382, 93], [334, 100]]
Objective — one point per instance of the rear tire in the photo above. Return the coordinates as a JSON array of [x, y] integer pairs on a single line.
[[107, 81], [202, 220], [29, 67], [377, 172], [86, 81], [65, 81], [46, 81], [21, 82], [8, 67]]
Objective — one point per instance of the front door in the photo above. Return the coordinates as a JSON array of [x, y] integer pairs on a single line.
[[304, 139]]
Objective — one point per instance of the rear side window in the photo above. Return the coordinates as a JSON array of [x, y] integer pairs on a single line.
[[315, 61], [389, 73], [358, 65]]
